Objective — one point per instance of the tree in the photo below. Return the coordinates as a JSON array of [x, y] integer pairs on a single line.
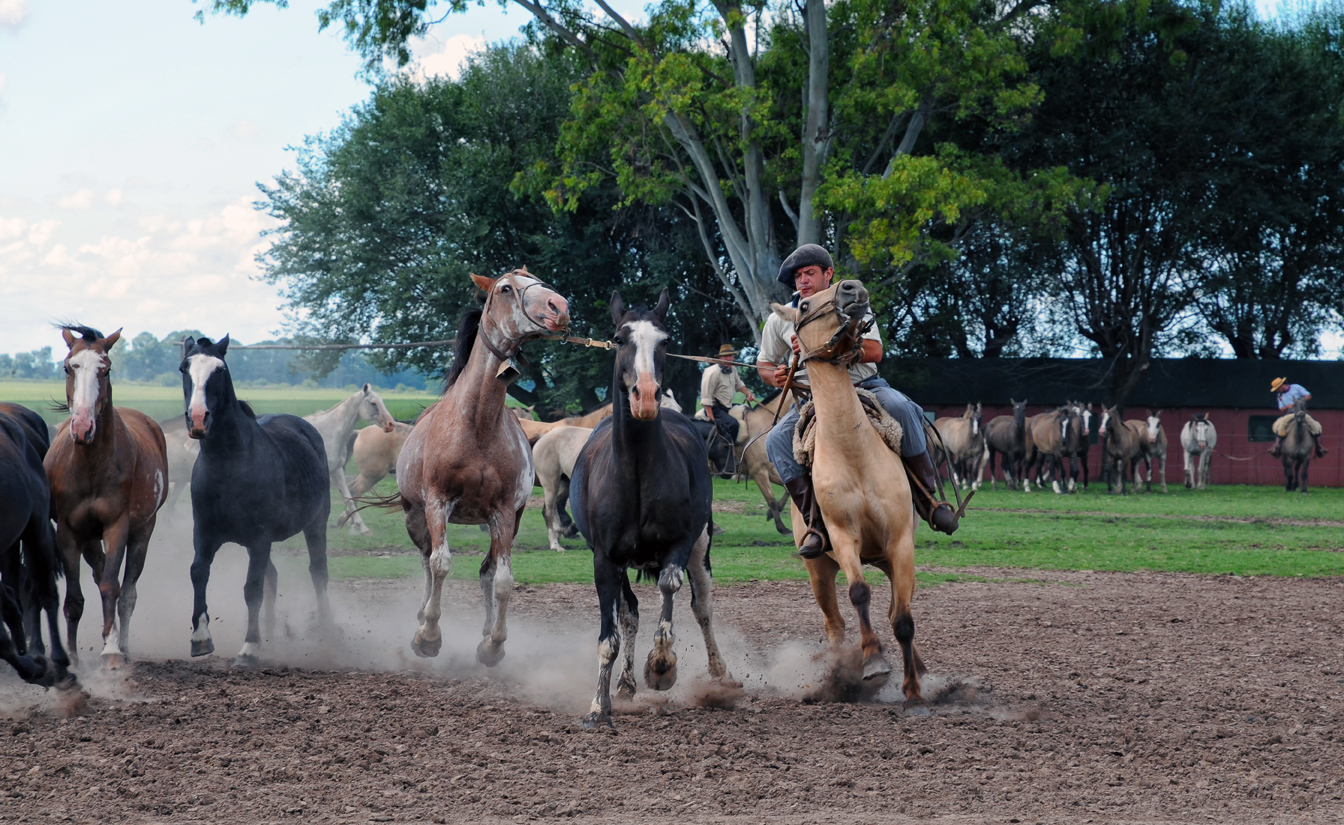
[[386, 217]]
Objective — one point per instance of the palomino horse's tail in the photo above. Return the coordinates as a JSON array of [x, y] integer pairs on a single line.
[[391, 501]]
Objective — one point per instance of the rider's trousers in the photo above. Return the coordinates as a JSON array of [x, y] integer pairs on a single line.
[[779, 443]]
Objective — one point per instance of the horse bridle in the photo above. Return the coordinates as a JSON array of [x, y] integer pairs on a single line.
[[488, 319], [840, 349]]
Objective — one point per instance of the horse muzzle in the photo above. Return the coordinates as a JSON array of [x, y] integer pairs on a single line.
[[556, 317], [82, 429], [198, 423], [851, 298], [644, 400]]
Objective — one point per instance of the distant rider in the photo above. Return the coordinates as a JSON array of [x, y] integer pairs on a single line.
[[809, 270], [1290, 394], [718, 386]]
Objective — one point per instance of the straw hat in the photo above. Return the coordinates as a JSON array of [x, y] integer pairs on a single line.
[[726, 351], [1276, 383]]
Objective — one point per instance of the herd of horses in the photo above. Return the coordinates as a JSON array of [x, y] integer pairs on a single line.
[[1054, 447], [636, 473]]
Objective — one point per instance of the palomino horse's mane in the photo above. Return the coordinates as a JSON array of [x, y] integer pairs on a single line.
[[466, 338]]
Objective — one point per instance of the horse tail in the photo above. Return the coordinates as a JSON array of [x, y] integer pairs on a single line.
[[391, 501]]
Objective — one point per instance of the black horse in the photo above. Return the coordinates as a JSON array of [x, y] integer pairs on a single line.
[[641, 494], [27, 550], [716, 443], [258, 480]]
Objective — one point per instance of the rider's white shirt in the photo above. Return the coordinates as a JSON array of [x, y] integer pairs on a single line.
[[775, 346]]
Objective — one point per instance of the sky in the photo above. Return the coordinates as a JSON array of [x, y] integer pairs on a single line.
[[132, 140]]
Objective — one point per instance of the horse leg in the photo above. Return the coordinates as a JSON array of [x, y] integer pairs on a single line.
[[1162, 470], [32, 669], [608, 583], [550, 515], [497, 586], [761, 475], [847, 554], [205, 549], [702, 604], [115, 537], [821, 573], [1289, 473], [258, 559], [660, 669], [10, 602], [899, 565], [357, 525], [1306, 464], [270, 588], [628, 617], [315, 539], [437, 563], [137, 548], [69, 549]]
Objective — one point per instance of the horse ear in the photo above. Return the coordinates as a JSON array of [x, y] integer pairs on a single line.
[[367, 387], [187, 344], [68, 336], [483, 282], [617, 308], [664, 301], [111, 341], [222, 345]]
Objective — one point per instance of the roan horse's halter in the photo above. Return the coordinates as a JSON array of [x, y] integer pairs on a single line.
[[514, 347]]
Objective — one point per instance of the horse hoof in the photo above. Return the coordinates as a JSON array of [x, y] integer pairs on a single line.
[[426, 648], [875, 666], [916, 707], [246, 660], [625, 688], [112, 661], [660, 675], [595, 721], [488, 653], [202, 648]]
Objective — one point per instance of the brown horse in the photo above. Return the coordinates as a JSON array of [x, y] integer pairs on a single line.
[[1049, 444], [963, 445], [860, 485], [467, 460], [534, 429], [109, 476], [1007, 434], [1121, 446]]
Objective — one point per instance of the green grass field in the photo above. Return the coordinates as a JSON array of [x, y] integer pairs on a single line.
[[1241, 530]]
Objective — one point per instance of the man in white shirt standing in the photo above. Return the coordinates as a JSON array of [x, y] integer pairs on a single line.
[[1290, 394], [809, 270]]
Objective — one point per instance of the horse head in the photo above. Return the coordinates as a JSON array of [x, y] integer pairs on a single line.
[[206, 384], [1154, 425], [519, 306], [371, 408], [641, 350], [977, 419], [829, 324], [88, 389], [1200, 427], [1107, 413], [1019, 412]]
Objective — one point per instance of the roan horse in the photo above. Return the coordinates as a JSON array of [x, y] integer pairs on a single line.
[[963, 445], [108, 468], [467, 460], [336, 426], [860, 484], [1198, 438], [28, 577], [1298, 448], [642, 494], [1121, 448], [258, 480], [1007, 434]]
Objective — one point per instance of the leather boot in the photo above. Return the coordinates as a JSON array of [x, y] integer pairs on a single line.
[[939, 515], [816, 542], [1320, 451], [1277, 449]]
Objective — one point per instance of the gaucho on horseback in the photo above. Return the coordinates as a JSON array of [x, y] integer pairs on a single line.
[[1288, 396], [718, 385], [807, 271]]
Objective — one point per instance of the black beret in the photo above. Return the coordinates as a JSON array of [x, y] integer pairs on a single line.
[[809, 254]]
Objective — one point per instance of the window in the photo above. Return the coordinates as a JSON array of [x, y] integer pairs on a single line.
[[1261, 427]]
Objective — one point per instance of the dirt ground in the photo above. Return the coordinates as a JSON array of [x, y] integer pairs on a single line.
[[1077, 697]]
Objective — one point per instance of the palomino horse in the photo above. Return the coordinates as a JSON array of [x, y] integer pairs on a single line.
[[467, 460], [1198, 438], [963, 445], [534, 429], [1298, 448], [860, 484], [336, 426], [1050, 439], [752, 460], [109, 478], [25, 525], [375, 452], [258, 480], [1153, 438], [642, 496], [1007, 434], [1121, 447]]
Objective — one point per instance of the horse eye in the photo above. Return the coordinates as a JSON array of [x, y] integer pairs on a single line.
[[67, 369], [506, 288], [803, 307]]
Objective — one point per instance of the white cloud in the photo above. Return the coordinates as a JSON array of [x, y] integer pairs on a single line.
[[12, 228], [444, 57], [13, 13], [244, 130], [113, 197], [82, 199], [2, 84], [41, 232]]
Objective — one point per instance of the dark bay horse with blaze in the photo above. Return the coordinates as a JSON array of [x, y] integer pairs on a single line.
[[1007, 435], [27, 550], [468, 462], [641, 493], [109, 476], [1121, 449], [258, 480]]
